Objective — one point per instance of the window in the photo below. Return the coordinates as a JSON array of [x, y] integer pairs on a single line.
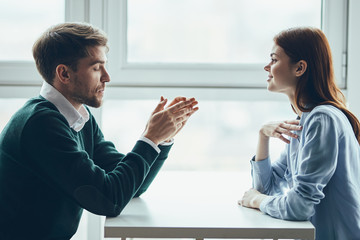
[[7, 108], [222, 136], [22, 23], [220, 77], [211, 31], [211, 43]]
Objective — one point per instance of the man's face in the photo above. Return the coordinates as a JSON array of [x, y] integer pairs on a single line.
[[88, 82]]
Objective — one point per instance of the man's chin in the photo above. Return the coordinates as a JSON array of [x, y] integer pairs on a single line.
[[94, 104]]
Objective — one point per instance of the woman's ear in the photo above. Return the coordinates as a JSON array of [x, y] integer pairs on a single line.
[[62, 73], [301, 67]]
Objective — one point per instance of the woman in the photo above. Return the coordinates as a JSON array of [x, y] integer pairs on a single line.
[[317, 176]]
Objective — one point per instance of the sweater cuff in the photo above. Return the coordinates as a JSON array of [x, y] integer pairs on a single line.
[[146, 151], [171, 142], [151, 143], [165, 149]]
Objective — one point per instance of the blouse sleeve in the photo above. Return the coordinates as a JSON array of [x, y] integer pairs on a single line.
[[269, 178], [317, 160]]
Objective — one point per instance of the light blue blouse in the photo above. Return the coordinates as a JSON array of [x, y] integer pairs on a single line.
[[317, 177]]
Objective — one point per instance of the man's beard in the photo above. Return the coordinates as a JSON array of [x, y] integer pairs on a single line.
[[91, 101]]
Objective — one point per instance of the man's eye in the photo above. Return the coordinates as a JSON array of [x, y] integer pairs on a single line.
[[273, 60]]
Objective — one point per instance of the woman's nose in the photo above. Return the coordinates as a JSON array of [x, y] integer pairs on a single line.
[[267, 68]]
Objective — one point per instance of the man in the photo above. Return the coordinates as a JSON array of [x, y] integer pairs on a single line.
[[54, 160]]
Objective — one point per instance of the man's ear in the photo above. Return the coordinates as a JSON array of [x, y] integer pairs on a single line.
[[62, 73], [301, 67]]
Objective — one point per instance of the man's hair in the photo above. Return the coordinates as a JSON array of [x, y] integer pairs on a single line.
[[65, 43]]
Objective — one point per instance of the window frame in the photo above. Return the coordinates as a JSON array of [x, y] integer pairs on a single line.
[[24, 73], [21, 79], [105, 14], [126, 74]]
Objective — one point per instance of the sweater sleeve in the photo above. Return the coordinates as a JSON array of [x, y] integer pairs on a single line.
[[105, 154], [56, 157], [155, 168], [317, 162], [107, 157]]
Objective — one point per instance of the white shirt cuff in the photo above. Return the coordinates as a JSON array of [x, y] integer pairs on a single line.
[[167, 143]]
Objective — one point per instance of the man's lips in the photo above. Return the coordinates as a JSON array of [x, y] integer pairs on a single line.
[[101, 89]]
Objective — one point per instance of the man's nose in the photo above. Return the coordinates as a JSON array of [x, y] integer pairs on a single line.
[[105, 76]]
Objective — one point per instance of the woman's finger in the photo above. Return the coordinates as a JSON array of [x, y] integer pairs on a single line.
[[293, 121], [282, 138], [290, 126], [287, 132]]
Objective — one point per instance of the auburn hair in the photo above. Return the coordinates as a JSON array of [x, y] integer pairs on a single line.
[[317, 86]]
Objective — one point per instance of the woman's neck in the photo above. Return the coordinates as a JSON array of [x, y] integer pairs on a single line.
[[293, 103]]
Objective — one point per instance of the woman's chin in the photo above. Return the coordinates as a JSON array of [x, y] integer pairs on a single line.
[[270, 87]]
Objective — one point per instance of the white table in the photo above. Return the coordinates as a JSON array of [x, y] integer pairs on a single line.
[[199, 205]]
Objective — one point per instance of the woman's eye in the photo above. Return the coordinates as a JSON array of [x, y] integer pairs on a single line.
[[273, 60]]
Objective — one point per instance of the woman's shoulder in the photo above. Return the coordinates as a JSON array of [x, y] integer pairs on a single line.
[[328, 114], [328, 111]]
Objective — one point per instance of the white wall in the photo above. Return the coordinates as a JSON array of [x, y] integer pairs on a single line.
[[353, 86]]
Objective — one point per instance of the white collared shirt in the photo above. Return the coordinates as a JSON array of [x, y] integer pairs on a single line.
[[75, 118]]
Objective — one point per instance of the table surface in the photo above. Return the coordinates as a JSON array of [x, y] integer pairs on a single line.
[[199, 205]]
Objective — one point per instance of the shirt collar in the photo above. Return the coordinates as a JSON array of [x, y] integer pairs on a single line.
[[305, 114], [76, 119], [303, 117], [302, 121]]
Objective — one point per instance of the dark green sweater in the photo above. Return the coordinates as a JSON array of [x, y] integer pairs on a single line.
[[49, 173]]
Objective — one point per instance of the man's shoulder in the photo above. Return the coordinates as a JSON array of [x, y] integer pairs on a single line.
[[36, 107], [36, 115], [39, 103]]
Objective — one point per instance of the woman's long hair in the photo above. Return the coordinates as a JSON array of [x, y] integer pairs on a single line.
[[317, 85]]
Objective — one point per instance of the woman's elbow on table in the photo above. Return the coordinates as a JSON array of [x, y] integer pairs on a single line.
[[288, 207]]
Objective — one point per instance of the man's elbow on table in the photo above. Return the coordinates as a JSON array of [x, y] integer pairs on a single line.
[[95, 202]]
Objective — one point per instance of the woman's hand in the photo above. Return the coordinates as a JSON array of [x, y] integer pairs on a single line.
[[276, 130], [252, 199], [279, 129]]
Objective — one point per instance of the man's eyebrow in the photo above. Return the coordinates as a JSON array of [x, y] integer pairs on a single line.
[[272, 54], [97, 61]]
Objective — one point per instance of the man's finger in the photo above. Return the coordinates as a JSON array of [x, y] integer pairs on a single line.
[[160, 105], [176, 100], [191, 102]]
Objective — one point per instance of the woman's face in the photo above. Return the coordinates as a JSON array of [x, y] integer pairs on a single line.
[[282, 72]]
